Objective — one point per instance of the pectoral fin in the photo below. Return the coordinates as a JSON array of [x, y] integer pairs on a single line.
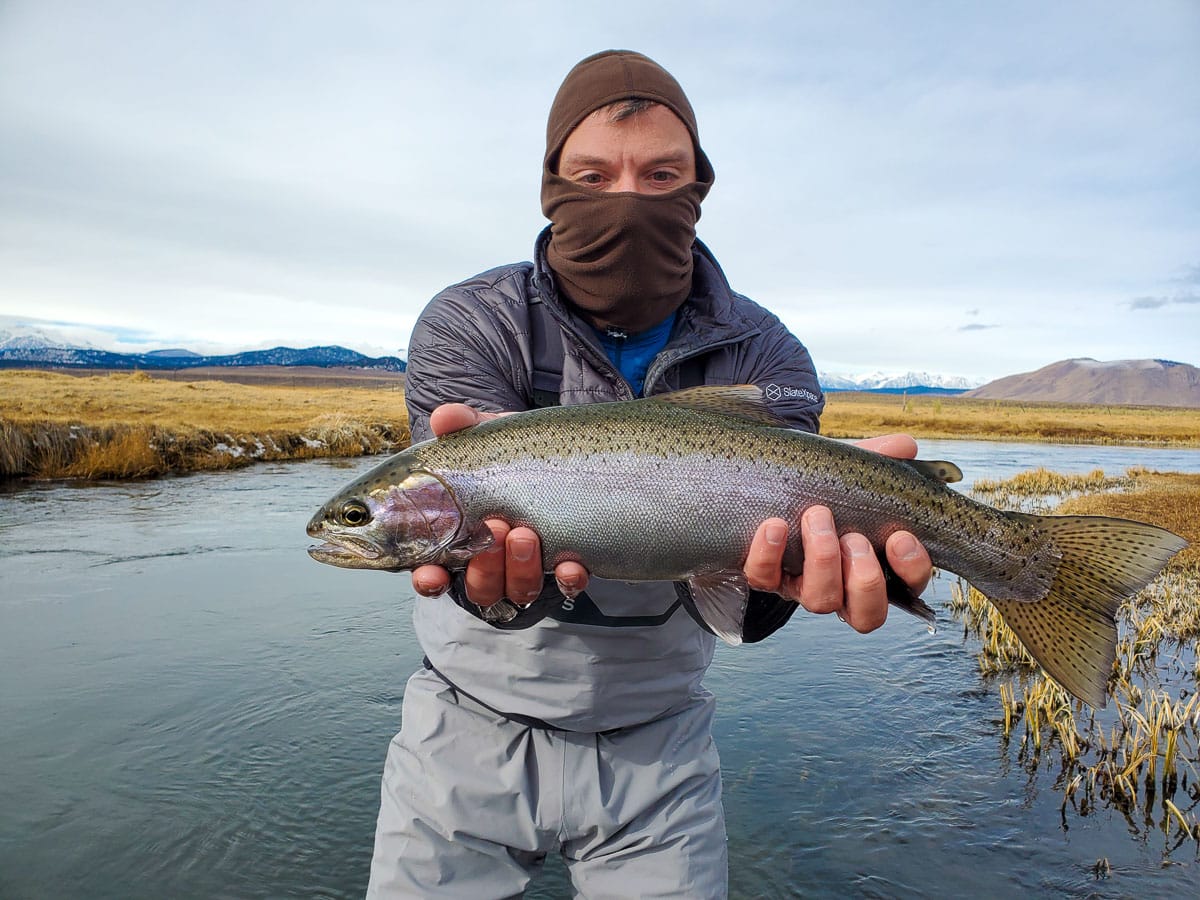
[[470, 542]]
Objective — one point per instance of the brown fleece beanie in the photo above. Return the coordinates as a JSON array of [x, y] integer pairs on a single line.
[[623, 259], [612, 75]]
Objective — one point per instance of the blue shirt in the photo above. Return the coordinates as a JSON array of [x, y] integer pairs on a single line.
[[633, 353]]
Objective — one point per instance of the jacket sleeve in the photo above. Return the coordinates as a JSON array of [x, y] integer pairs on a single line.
[[460, 353], [782, 367]]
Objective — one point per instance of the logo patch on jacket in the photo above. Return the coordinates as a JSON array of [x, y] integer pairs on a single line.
[[774, 392]]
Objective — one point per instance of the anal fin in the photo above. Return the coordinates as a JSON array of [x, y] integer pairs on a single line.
[[901, 596], [720, 600]]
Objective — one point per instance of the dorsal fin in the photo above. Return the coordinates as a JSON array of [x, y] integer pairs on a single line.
[[743, 401], [937, 469]]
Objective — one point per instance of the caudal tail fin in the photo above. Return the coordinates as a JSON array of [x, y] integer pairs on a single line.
[[1072, 631]]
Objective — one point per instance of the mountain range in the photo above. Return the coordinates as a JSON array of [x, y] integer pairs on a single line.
[[21, 347], [1148, 382], [36, 350]]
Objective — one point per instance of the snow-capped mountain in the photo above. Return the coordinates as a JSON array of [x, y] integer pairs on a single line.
[[80, 358], [22, 337], [24, 345], [885, 381]]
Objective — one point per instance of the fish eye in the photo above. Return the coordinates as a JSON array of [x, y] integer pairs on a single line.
[[354, 513]]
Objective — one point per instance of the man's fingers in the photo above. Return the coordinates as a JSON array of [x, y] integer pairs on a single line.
[[523, 566], [901, 446], [865, 587], [821, 582], [485, 571], [430, 581], [764, 563], [572, 578], [910, 560], [456, 416]]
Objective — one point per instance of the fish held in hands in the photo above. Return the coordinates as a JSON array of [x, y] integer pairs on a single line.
[[673, 487]]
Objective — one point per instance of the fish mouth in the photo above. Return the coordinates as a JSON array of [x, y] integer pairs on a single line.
[[345, 549]]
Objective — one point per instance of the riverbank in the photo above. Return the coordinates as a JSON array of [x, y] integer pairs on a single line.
[[138, 425]]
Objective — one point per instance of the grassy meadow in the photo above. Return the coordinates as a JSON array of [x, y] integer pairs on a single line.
[[853, 414], [134, 425]]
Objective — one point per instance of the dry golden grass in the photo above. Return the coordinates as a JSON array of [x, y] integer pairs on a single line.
[[137, 398], [132, 425], [853, 414]]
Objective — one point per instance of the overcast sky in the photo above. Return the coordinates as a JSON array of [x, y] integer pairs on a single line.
[[961, 188]]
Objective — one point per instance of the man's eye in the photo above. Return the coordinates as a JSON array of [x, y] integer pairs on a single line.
[[663, 177], [590, 178]]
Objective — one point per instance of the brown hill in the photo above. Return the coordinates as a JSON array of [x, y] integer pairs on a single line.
[[1125, 382]]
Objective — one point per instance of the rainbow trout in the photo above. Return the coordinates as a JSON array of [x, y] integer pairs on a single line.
[[673, 487]]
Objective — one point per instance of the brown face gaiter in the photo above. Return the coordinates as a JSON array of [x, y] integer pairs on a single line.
[[625, 259]]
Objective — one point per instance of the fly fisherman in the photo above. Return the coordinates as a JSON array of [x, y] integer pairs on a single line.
[[562, 714]]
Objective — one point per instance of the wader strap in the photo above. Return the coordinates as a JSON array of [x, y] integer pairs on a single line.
[[547, 355]]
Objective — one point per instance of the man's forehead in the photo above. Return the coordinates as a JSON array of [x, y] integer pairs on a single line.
[[632, 108], [655, 118]]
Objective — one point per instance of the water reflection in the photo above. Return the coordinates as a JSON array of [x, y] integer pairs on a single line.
[[190, 707]]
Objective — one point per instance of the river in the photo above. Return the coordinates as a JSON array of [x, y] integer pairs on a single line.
[[191, 707]]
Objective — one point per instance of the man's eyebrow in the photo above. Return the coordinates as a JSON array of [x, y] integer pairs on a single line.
[[576, 159], [666, 159]]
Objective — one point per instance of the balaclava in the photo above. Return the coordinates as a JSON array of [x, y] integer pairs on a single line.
[[624, 258]]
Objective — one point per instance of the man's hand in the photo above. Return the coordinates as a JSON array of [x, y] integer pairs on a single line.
[[512, 566], [840, 576]]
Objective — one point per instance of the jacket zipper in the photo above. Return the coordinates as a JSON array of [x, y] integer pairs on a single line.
[[618, 336]]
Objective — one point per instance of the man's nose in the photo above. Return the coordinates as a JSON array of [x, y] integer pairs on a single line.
[[626, 182]]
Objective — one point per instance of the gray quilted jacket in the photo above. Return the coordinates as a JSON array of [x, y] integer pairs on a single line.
[[619, 654]]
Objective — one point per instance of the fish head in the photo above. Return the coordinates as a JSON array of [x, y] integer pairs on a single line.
[[394, 523]]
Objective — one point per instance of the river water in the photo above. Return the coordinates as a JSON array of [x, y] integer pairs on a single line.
[[191, 707]]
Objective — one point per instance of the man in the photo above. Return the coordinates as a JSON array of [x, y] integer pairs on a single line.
[[565, 714]]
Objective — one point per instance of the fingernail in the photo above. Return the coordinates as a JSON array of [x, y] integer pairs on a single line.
[[776, 534], [521, 550], [856, 546], [428, 588], [569, 587], [819, 522], [905, 546]]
